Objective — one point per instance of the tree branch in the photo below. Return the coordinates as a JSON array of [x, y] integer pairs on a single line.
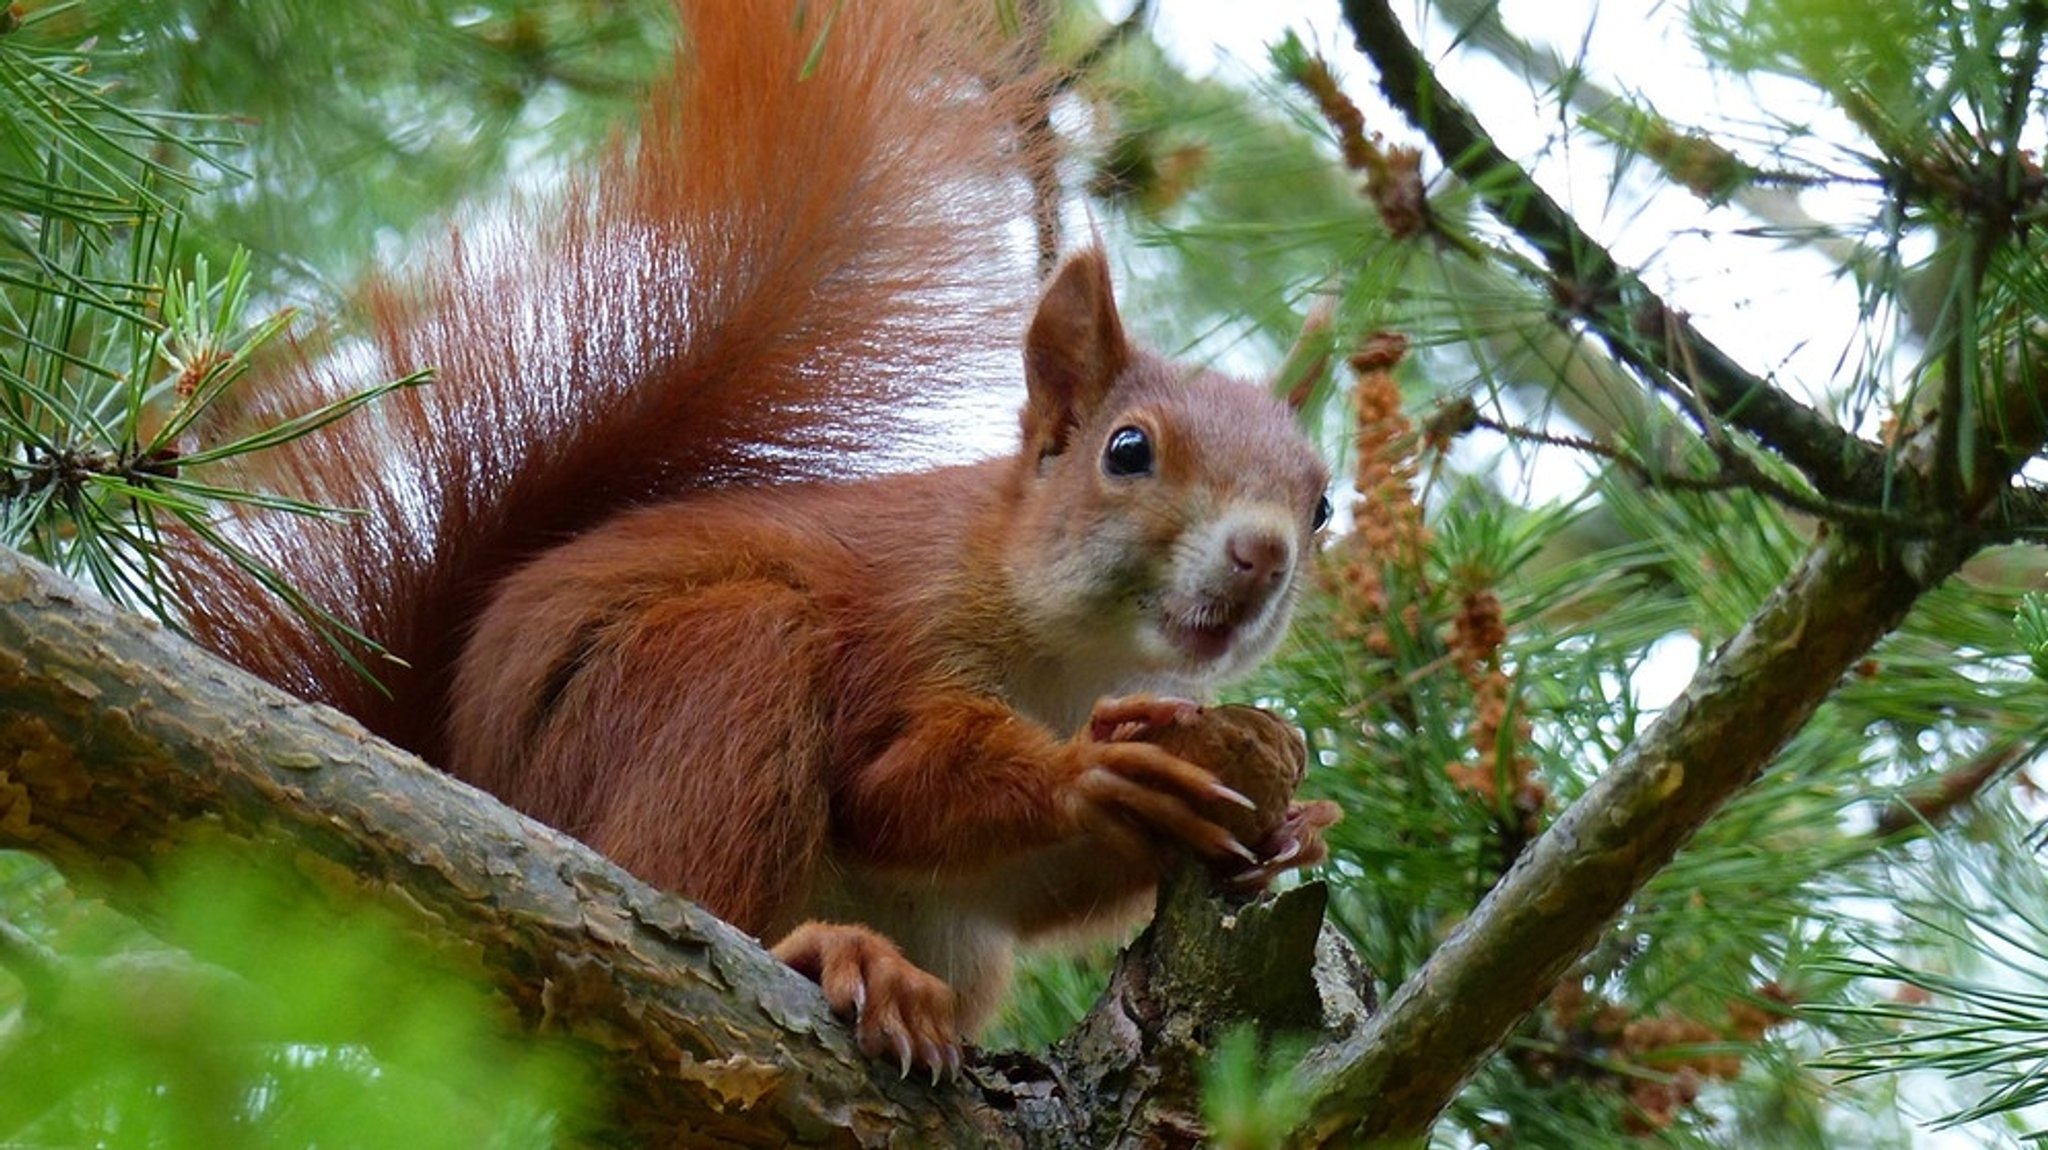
[[1389, 1082], [1614, 303], [1928, 803], [1479, 25], [1737, 472]]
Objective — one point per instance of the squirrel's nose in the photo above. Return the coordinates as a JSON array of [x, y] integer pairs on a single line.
[[1259, 556]]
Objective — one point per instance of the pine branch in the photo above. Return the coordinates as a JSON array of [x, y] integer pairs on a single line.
[[1735, 472], [1999, 196], [1929, 803], [1390, 1081], [1638, 326], [1773, 201]]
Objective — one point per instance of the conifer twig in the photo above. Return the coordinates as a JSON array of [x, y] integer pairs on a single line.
[[1953, 788], [1611, 301]]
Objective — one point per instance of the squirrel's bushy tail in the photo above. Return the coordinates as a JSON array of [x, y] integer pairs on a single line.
[[813, 230]]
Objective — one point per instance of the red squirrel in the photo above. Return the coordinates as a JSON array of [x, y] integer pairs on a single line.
[[883, 723]]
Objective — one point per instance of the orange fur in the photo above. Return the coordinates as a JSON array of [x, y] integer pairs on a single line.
[[754, 288], [887, 720]]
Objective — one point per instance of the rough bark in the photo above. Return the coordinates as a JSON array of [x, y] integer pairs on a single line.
[[1141, 1052]]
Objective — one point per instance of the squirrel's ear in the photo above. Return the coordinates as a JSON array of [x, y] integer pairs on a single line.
[[1073, 353]]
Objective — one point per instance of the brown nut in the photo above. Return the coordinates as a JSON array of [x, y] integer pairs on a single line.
[[1253, 751]]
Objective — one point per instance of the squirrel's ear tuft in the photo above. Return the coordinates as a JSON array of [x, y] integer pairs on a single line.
[[1073, 352]]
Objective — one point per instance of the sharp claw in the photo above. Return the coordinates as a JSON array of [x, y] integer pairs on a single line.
[[1242, 851], [1229, 795], [1286, 854], [953, 1061], [1247, 878], [902, 1056], [860, 999]]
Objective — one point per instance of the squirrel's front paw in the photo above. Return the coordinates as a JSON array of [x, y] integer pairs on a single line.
[[1258, 755], [1296, 843], [1124, 718], [1118, 789], [896, 1007]]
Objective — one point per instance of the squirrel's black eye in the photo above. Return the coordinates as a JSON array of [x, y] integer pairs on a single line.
[[1128, 453], [1323, 512]]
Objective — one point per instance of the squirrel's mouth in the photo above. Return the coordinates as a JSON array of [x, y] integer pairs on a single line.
[[1205, 631], [1204, 643]]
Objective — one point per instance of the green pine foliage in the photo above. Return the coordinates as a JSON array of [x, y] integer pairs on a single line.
[[251, 1016], [1252, 1101], [117, 341]]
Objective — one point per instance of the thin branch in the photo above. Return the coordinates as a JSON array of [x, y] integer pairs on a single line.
[[1040, 143], [1035, 126], [1956, 787], [1480, 26], [1612, 302], [1995, 208], [1953, 335], [2019, 179], [1737, 472]]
